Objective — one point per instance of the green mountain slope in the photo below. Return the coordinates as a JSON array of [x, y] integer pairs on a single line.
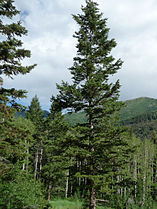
[[137, 107], [139, 114]]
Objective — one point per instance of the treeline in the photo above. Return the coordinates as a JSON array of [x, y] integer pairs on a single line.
[[148, 116], [142, 125], [40, 162]]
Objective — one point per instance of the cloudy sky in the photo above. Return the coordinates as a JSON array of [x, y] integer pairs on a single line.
[[133, 24]]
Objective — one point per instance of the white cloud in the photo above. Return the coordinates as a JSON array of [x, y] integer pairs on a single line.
[[132, 23]]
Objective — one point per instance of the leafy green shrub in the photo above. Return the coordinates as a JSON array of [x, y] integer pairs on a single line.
[[21, 192]]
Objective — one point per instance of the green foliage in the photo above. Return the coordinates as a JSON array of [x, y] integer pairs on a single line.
[[22, 191], [36, 116], [17, 187], [55, 162], [140, 115], [145, 117], [35, 113], [143, 129], [16, 137]]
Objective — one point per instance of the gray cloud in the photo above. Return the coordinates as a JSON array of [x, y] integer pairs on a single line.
[[132, 23]]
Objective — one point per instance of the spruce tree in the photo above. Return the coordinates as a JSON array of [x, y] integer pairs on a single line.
[[11, 53], [36, 115], [55, 161], [99, 143]]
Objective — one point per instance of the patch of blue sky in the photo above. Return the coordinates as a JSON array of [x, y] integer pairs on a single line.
[[23, 15]]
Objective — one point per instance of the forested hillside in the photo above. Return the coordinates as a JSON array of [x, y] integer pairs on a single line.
[[140, 115], [136, 107]]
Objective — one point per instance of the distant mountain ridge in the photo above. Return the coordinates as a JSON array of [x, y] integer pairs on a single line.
[[23, 114], [139, 114], [138, 106], [133, 108]]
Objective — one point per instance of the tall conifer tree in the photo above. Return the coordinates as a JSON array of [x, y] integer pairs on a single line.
[[55, 160], [36, 115], [99, 143], [11, 52]]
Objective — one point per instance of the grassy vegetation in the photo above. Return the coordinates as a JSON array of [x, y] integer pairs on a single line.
[[66, 204], [69, 204], [77, 204]]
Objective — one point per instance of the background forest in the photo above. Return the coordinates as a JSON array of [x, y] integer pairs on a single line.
[[101, 154]]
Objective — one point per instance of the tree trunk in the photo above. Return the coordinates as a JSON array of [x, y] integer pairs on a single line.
[[78, 169], [27, 156], [25, 164], [144, 175], [67, 184], [154, 173], [41, 157], [49, 192], [135, 177], [71, 190], [23, 167], [92, 204], [36, 164]]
